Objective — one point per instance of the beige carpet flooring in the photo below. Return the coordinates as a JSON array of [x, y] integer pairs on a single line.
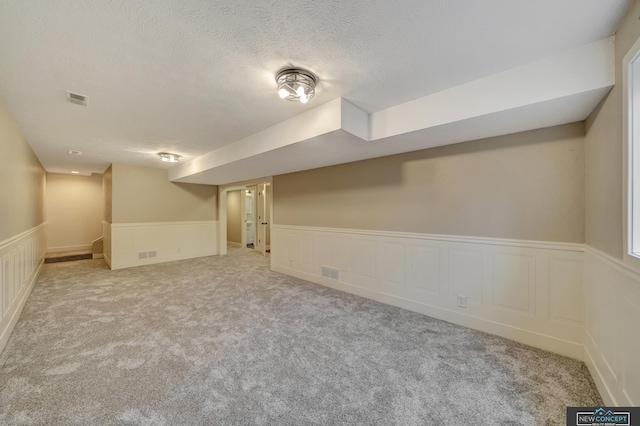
[[225, 341]]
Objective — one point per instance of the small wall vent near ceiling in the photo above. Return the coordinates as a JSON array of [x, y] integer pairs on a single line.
[[76, 98]]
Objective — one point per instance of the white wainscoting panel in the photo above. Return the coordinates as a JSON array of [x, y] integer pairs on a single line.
[[21, 258], [136, 244], [425, 270], [612, 329], [524, 290]]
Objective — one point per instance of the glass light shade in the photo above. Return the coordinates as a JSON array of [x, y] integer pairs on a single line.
[[296, 84]]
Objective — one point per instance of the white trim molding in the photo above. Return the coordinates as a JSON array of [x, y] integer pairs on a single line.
[[528, 291], [21, 259], [136, 244], [612, 304]]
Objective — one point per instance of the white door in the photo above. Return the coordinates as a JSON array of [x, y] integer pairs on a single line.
[[261, 220]]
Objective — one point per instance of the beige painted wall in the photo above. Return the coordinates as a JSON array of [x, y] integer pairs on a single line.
[[143, 194], [603, 154], [528, 185], [74, 211], [234, 220], [22, 181], [107, 191]]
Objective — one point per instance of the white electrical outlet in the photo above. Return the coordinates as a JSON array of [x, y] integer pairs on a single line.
[[462, 301]]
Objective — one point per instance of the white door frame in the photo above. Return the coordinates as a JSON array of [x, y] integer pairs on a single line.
[[261, 232], [222, 207]]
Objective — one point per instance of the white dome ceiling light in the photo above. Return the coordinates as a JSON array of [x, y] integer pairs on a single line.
[[168, 157], [296, 84]]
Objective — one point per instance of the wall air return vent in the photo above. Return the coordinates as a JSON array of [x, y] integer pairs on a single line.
[[76, 98], [330, 273]]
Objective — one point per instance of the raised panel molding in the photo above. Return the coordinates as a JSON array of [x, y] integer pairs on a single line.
[[366, 258], [426, 267], [514, 282], [421, 272], [169, 241], [342, 254], [566, 302], [393, 262], [325, 251], [306, 249], [465, 273], [21, 259], [6, 283]]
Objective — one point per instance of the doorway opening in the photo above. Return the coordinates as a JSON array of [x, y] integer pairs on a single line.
[[250, 217], [245, 211]]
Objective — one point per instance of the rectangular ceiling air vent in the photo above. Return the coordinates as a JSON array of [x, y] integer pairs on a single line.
[[75, 152], [76, 98]]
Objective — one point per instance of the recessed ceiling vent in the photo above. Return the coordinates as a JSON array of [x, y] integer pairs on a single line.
[[75, 152], [76, 98]]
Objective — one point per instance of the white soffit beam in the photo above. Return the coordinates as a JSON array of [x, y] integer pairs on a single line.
[[338, 114], [343, 147], [580, 70], [556, 90]]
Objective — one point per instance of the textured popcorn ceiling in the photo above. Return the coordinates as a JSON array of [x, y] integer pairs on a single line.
[[191, 76]]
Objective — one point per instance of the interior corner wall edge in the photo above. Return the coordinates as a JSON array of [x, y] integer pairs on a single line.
[[21, 259], [107, 193], [527, 291]]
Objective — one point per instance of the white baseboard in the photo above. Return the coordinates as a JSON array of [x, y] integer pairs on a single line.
[[528, 291], [21, 260], [234, 244]]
